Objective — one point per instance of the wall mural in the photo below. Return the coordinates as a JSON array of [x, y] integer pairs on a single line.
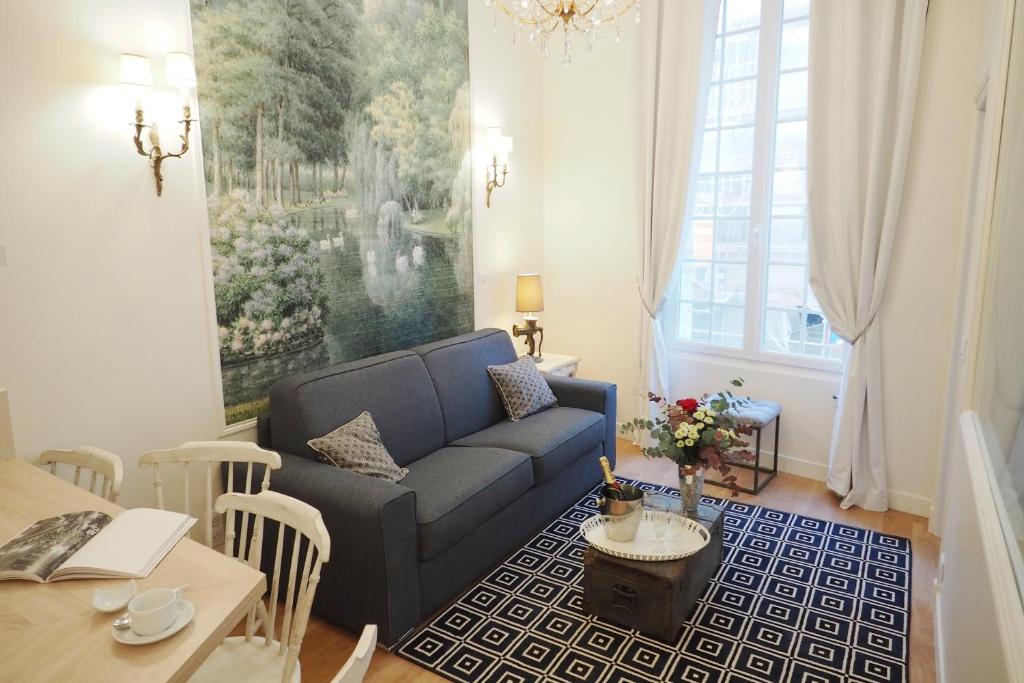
[[336, 138]]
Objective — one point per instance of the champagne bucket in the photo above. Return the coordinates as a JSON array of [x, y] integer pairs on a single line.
[[624, 515]]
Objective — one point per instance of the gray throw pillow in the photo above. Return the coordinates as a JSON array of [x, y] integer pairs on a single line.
[[356, 446], [523, 389]]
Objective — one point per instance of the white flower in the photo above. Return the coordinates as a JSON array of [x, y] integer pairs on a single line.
[[419, 255], [267, 325], [338, 242], [223, 332], [236, 345], [699, 415], [689, 442], [325, 245], [401, 263], [710, 412], [371, 256], [708, 420], [286, 323]]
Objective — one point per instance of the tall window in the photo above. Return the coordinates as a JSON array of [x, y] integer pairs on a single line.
[[744, 277]]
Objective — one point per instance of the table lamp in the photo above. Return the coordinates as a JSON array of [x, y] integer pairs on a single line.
[[530, 300]]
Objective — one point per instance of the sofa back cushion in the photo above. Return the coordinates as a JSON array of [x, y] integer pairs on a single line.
[[394, 388], [458, 367]]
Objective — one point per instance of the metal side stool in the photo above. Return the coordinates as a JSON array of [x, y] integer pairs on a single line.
[[757, 415]]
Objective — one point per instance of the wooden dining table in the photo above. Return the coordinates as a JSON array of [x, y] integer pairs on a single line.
[[51, 632]]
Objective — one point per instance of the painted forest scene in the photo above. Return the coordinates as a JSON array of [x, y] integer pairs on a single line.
[[336, 144]]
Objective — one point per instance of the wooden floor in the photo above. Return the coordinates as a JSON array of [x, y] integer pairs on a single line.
[[326, 647]]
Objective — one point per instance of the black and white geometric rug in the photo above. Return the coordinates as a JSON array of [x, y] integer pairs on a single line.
[[796, 599]]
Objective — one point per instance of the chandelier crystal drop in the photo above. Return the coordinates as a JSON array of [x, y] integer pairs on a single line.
[[539, 19]]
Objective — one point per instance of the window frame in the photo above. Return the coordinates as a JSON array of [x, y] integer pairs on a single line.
[[763, 163]]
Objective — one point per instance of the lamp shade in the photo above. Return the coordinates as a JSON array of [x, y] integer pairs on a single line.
[[135, 70], [529, 294], [181, 71]]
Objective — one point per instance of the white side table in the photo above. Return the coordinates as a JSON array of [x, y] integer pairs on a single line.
[[563, 366]]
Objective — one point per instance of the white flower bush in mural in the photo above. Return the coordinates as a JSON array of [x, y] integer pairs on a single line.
[[268, 280]]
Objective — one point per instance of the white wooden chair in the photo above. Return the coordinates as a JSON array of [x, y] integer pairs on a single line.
[[357, 664], [212, 454], [99, 462], [267, 659]]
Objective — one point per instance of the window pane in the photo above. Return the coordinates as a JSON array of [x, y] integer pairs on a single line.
[[738, 103], [730, 284], [709, 152], [731, 241], [778, 331], [734, 195], [739, 58], [704, 199], [699, 238], [791, 145], [793, 54], [796, 8], [727, 326], [694, 321], [737, 152], [785, 287], [716, 67], [793, 95], [741, 14], [789, 193], [695, 282], [788, 241], [712, 117]]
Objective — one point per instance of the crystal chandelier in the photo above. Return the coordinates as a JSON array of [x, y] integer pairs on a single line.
[[540, 19]]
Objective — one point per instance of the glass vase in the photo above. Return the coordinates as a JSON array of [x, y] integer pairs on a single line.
[[691, 487]]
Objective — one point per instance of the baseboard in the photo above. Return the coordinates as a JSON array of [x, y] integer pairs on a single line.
[[898, 500]]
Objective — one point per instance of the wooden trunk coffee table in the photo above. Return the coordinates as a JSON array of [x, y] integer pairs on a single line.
[[654, 598]]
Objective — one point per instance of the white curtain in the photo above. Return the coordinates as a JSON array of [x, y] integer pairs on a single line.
[[677, 53], [865, 58]]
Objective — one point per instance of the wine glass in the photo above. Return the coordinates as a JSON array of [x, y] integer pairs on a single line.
[[660, 508]]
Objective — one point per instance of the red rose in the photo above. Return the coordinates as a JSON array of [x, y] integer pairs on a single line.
[[687, 404]]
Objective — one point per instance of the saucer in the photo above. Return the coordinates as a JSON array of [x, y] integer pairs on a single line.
[[114, 599], [129, 637]]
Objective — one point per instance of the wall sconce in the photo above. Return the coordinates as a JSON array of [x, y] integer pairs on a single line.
[[500, 146], [137, 74]]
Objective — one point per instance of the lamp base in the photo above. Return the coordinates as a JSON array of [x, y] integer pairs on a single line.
[[528, 331]]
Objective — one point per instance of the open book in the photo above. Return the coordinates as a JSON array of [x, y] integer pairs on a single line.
[[93, 545]]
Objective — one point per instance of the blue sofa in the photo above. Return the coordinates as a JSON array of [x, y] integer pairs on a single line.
[[478, 486]]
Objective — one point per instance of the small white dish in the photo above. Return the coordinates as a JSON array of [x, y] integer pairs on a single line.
[[114, 599], [129, 637]]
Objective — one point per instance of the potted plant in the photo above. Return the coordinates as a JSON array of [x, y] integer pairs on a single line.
[[696, 434]]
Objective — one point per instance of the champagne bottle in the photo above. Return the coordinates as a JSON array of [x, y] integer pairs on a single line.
[[612, 489]]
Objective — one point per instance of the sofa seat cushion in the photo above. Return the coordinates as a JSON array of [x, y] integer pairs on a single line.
[[458, 489], [553, 438]]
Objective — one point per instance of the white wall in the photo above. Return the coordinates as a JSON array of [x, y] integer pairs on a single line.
[[590, 219], [104, 307], [592, 211]]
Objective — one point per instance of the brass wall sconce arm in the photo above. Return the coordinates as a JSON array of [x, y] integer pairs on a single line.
[[492, 178], [155, 154]]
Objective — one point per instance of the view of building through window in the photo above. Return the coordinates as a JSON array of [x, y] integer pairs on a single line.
[[744, 258]]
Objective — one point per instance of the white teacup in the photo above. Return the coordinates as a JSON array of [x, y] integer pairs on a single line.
[[154, 611]]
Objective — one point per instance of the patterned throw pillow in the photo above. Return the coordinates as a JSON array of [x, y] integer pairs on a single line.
[[522, 388], [356, 446]]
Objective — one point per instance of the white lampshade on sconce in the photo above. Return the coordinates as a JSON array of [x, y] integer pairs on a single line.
[[530, 300], [136, 71], [499, 147], [180, 70]]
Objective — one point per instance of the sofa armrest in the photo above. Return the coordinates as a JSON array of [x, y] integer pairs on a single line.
[[588, 394], [372, 576]]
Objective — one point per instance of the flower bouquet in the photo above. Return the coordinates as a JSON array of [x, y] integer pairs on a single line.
[[696, 434]]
